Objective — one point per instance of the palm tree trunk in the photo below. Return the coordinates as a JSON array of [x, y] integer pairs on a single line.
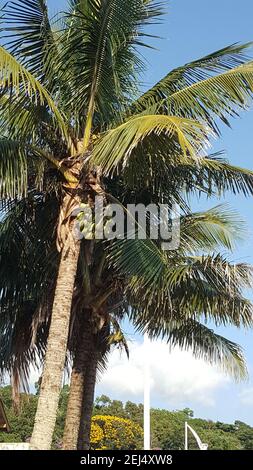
[[87, 403], [74, 410], [57, 343], [75, 400]]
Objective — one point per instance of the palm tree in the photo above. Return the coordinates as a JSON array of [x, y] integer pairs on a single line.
[[171, 296], [25, 313], [69, 101]]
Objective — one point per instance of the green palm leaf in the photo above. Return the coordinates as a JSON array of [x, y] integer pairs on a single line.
[[17, 160], [149, 265], [216, 96], [213, 87], [214, 176], [204, 343], [215, 228], [101, 57], [30, 37], [214, 269], [13, 169], [27, 250], [118, 144], [15, 77], [162, 170]]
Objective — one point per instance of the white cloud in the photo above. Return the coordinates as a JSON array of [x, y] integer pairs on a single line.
[[246, 396], [176, 376], [35, 375]]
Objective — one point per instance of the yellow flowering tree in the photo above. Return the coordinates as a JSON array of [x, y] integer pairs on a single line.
[[113, 433]]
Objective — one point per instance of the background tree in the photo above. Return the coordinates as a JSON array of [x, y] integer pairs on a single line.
[[167, 426], [243, 432], [114, 433]]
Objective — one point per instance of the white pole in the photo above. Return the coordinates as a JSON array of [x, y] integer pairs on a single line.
[[146, 393], [186, 437]]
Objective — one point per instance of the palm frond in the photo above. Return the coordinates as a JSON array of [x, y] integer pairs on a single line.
[[16, 79], [20, 349], [21, 164], [100, 53], [169, 286], [216, 86], [30, 37], [210, 230], [214, 176], [28, 268], [146, 262], [21, 120], [27, 250], [214, 269], [117, 144], [160, 171], [190, 298], [13, 169], [215, 97], [204, 343]]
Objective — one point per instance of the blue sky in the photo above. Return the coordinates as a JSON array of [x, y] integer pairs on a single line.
[[193, 29]]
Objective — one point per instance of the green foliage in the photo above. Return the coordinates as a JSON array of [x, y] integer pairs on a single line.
[[220, 92], [167, 426], [118, 144], [17, 77], [100, 53], [22, 423], [30, 35], [244, 433], [188, 412], [110, 432]]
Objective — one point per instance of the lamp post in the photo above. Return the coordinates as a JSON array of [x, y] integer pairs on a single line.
[[147, 440]]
